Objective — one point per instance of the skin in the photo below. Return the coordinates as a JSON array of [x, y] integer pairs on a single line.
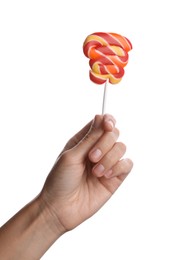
[[85, 175]]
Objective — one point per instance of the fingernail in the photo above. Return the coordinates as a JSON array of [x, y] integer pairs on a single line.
[[96, 154], [111, 123], [98, 170], [109, 118]]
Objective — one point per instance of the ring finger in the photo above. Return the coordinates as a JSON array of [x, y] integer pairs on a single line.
[[109, 160]]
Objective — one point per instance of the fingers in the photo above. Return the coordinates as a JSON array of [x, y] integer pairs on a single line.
[[119, 174], [104, 167], [122, 167], [107, 153], [107, 125], [103, 145], [78, 137], [108, 122], [99, 126]]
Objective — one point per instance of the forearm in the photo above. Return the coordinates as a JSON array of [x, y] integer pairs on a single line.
[[29, 234]]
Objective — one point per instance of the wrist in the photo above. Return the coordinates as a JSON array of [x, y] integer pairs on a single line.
[[50, 219], [30, 233]]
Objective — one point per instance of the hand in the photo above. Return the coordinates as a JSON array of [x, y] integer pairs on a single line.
[[86, 174]]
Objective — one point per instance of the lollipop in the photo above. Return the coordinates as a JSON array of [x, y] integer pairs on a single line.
[[108, 54]]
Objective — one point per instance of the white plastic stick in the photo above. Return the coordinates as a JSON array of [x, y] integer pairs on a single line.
[[104, 98]]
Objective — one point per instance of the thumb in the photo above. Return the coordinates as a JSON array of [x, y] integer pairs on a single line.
[[80, 151]]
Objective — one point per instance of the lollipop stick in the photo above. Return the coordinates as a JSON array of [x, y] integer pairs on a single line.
[[104, 98]]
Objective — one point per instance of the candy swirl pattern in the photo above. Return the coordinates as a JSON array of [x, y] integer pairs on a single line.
[[108, 54]]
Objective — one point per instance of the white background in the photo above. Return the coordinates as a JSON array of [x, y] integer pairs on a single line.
[[46, 96]]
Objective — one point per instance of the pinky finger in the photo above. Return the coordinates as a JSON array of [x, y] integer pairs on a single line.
[[123, 166]]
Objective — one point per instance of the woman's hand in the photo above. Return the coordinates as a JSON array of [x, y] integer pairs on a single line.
[[86, 174]]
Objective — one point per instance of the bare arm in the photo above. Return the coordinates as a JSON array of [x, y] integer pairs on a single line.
[[86, 174], [29, 233]]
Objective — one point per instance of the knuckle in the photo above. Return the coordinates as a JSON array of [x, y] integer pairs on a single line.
[[126, 166], [121, 147], [113, 136], [89, 137], [110, 117], [116, 132], [123, 168], [93, 134]]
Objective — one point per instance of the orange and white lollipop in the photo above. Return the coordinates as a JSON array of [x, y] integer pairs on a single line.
[[108, 54]]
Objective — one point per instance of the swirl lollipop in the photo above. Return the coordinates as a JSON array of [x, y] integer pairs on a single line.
[[108, 54]]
